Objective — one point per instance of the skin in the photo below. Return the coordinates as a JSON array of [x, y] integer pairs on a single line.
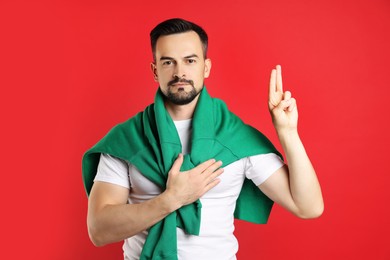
[[296, 188], [180, 55]]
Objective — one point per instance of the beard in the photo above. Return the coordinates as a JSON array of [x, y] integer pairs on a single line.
[[181, 97]]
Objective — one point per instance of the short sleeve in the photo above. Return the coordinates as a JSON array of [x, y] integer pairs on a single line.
[[113, 170], [260, 167]]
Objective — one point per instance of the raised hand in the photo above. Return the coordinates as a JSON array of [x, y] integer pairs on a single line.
[[281, 105], [188, 186]]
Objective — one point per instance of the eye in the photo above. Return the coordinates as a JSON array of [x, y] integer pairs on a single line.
[[191, 61], [167, 63]]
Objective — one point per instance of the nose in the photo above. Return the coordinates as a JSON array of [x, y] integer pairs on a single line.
[[179, 72], [179, 77]]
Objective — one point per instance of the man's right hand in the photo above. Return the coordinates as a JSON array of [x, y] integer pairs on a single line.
[[112, 219], [188, 186]]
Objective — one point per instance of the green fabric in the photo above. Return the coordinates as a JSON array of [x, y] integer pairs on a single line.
[[150, 141]]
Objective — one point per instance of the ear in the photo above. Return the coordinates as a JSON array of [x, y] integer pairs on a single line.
[[207, 68], [154, 70]]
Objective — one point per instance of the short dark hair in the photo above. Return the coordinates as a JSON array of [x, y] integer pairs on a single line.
[[174, 26]]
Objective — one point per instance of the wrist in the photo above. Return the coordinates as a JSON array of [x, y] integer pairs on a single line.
[[170, 202], [288, 136], [287, 132]]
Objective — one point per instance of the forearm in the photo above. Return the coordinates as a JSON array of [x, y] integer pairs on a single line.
[[113, 223], [304, 186], [111, 219]]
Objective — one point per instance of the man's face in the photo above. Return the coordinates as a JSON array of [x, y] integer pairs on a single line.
[[180, 67]]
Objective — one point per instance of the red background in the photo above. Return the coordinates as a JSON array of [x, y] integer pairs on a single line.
[[70, 70]]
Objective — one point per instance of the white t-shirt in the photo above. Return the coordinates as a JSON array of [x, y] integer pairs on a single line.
[[216, 239]]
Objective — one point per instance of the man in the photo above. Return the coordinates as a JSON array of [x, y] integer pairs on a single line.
[[171, 179]]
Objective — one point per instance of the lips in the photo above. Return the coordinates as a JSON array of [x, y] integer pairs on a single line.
[[180, 84]]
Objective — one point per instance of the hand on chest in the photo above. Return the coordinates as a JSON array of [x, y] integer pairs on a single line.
[[230, 185]]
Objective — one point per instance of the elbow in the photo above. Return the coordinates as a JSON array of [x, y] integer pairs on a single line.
[[95, 237], [312, 213], [96, 234]]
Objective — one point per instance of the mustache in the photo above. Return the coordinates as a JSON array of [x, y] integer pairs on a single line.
[[180, 80]]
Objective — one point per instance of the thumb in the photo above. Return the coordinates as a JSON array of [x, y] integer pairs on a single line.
[[177, 164], [284, 105]]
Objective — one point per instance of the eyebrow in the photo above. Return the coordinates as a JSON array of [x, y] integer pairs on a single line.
[[191, 56], [186, 57], [166, 58]]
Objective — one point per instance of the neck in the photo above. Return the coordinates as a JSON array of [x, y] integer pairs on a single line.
[[181, 112]]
